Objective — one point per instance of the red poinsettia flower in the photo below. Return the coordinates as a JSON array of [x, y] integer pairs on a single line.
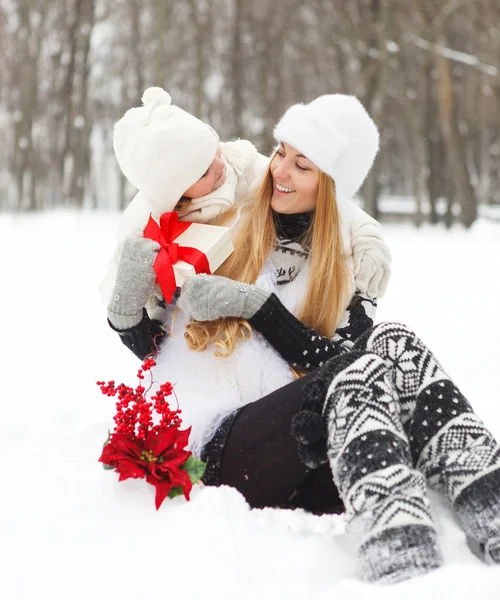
[[158, 458], [139, 449]]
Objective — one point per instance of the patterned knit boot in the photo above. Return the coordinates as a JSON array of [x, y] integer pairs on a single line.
[[450, 445], [385, 498]]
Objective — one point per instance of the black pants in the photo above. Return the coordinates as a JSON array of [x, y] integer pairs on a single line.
[[257, 455]]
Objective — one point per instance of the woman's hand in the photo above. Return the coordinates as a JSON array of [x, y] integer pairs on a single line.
[[135, 281], [209, 297], [372, 269]]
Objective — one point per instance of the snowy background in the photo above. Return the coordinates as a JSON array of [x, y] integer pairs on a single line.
[[428, 73], [69, 531]]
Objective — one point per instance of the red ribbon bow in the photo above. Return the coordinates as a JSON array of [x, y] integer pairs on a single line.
[[168, 230]]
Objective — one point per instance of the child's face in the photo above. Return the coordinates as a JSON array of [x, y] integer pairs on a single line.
[[295, 182], [210, 181]]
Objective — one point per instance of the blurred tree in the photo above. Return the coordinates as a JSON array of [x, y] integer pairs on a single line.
[[427, 71], [30, 20]]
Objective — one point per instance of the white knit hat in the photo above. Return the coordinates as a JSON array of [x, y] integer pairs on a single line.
[[163, 150], [335, 133]]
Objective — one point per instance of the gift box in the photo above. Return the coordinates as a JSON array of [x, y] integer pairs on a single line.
[[186, 249], [214, 241]]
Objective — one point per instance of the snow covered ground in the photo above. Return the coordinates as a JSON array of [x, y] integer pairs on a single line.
[[70, 531]]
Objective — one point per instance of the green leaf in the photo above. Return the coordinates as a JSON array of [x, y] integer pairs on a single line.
[[175, 491], [107, 467], [195, 468]]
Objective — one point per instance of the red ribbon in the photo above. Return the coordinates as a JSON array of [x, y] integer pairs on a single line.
[[165, 233]]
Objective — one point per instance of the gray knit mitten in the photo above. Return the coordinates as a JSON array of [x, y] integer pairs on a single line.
[[209, 297], [134, 284]]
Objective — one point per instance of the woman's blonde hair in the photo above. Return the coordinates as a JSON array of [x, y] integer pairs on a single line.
[[327, 293]]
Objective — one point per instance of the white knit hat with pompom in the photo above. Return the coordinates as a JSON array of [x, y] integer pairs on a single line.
[[163, 150]]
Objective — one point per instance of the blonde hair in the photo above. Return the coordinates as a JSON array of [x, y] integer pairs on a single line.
[[327, 293]]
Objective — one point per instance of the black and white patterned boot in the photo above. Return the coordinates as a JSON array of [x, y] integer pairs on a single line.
[[385, 497], [449, 443]]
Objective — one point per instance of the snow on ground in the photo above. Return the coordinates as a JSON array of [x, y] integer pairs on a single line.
[[69, 530]]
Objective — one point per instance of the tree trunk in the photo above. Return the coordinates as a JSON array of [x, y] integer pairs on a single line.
[[457, 162], [82, 127], [136, 38], [201, 50], [376, 88], [24, 155], [66, 158], [162, 26], [237, 71], [437, 170]]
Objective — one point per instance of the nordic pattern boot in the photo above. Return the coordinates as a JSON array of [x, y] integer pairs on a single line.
[[385, 498], [449, 443]]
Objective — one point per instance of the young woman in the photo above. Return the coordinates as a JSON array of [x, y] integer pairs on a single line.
[[177, 163], [375, 413]]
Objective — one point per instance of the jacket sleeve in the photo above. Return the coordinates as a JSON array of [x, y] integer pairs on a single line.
[[259, 168], [363, 226], [144, 338], [303, 347]]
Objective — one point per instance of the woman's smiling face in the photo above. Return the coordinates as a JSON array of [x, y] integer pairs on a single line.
[[295, 181]]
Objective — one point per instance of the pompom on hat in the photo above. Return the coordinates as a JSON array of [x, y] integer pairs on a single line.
[[163, 150], [337, 134]]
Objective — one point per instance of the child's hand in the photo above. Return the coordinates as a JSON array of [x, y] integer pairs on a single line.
[[135, 282]]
